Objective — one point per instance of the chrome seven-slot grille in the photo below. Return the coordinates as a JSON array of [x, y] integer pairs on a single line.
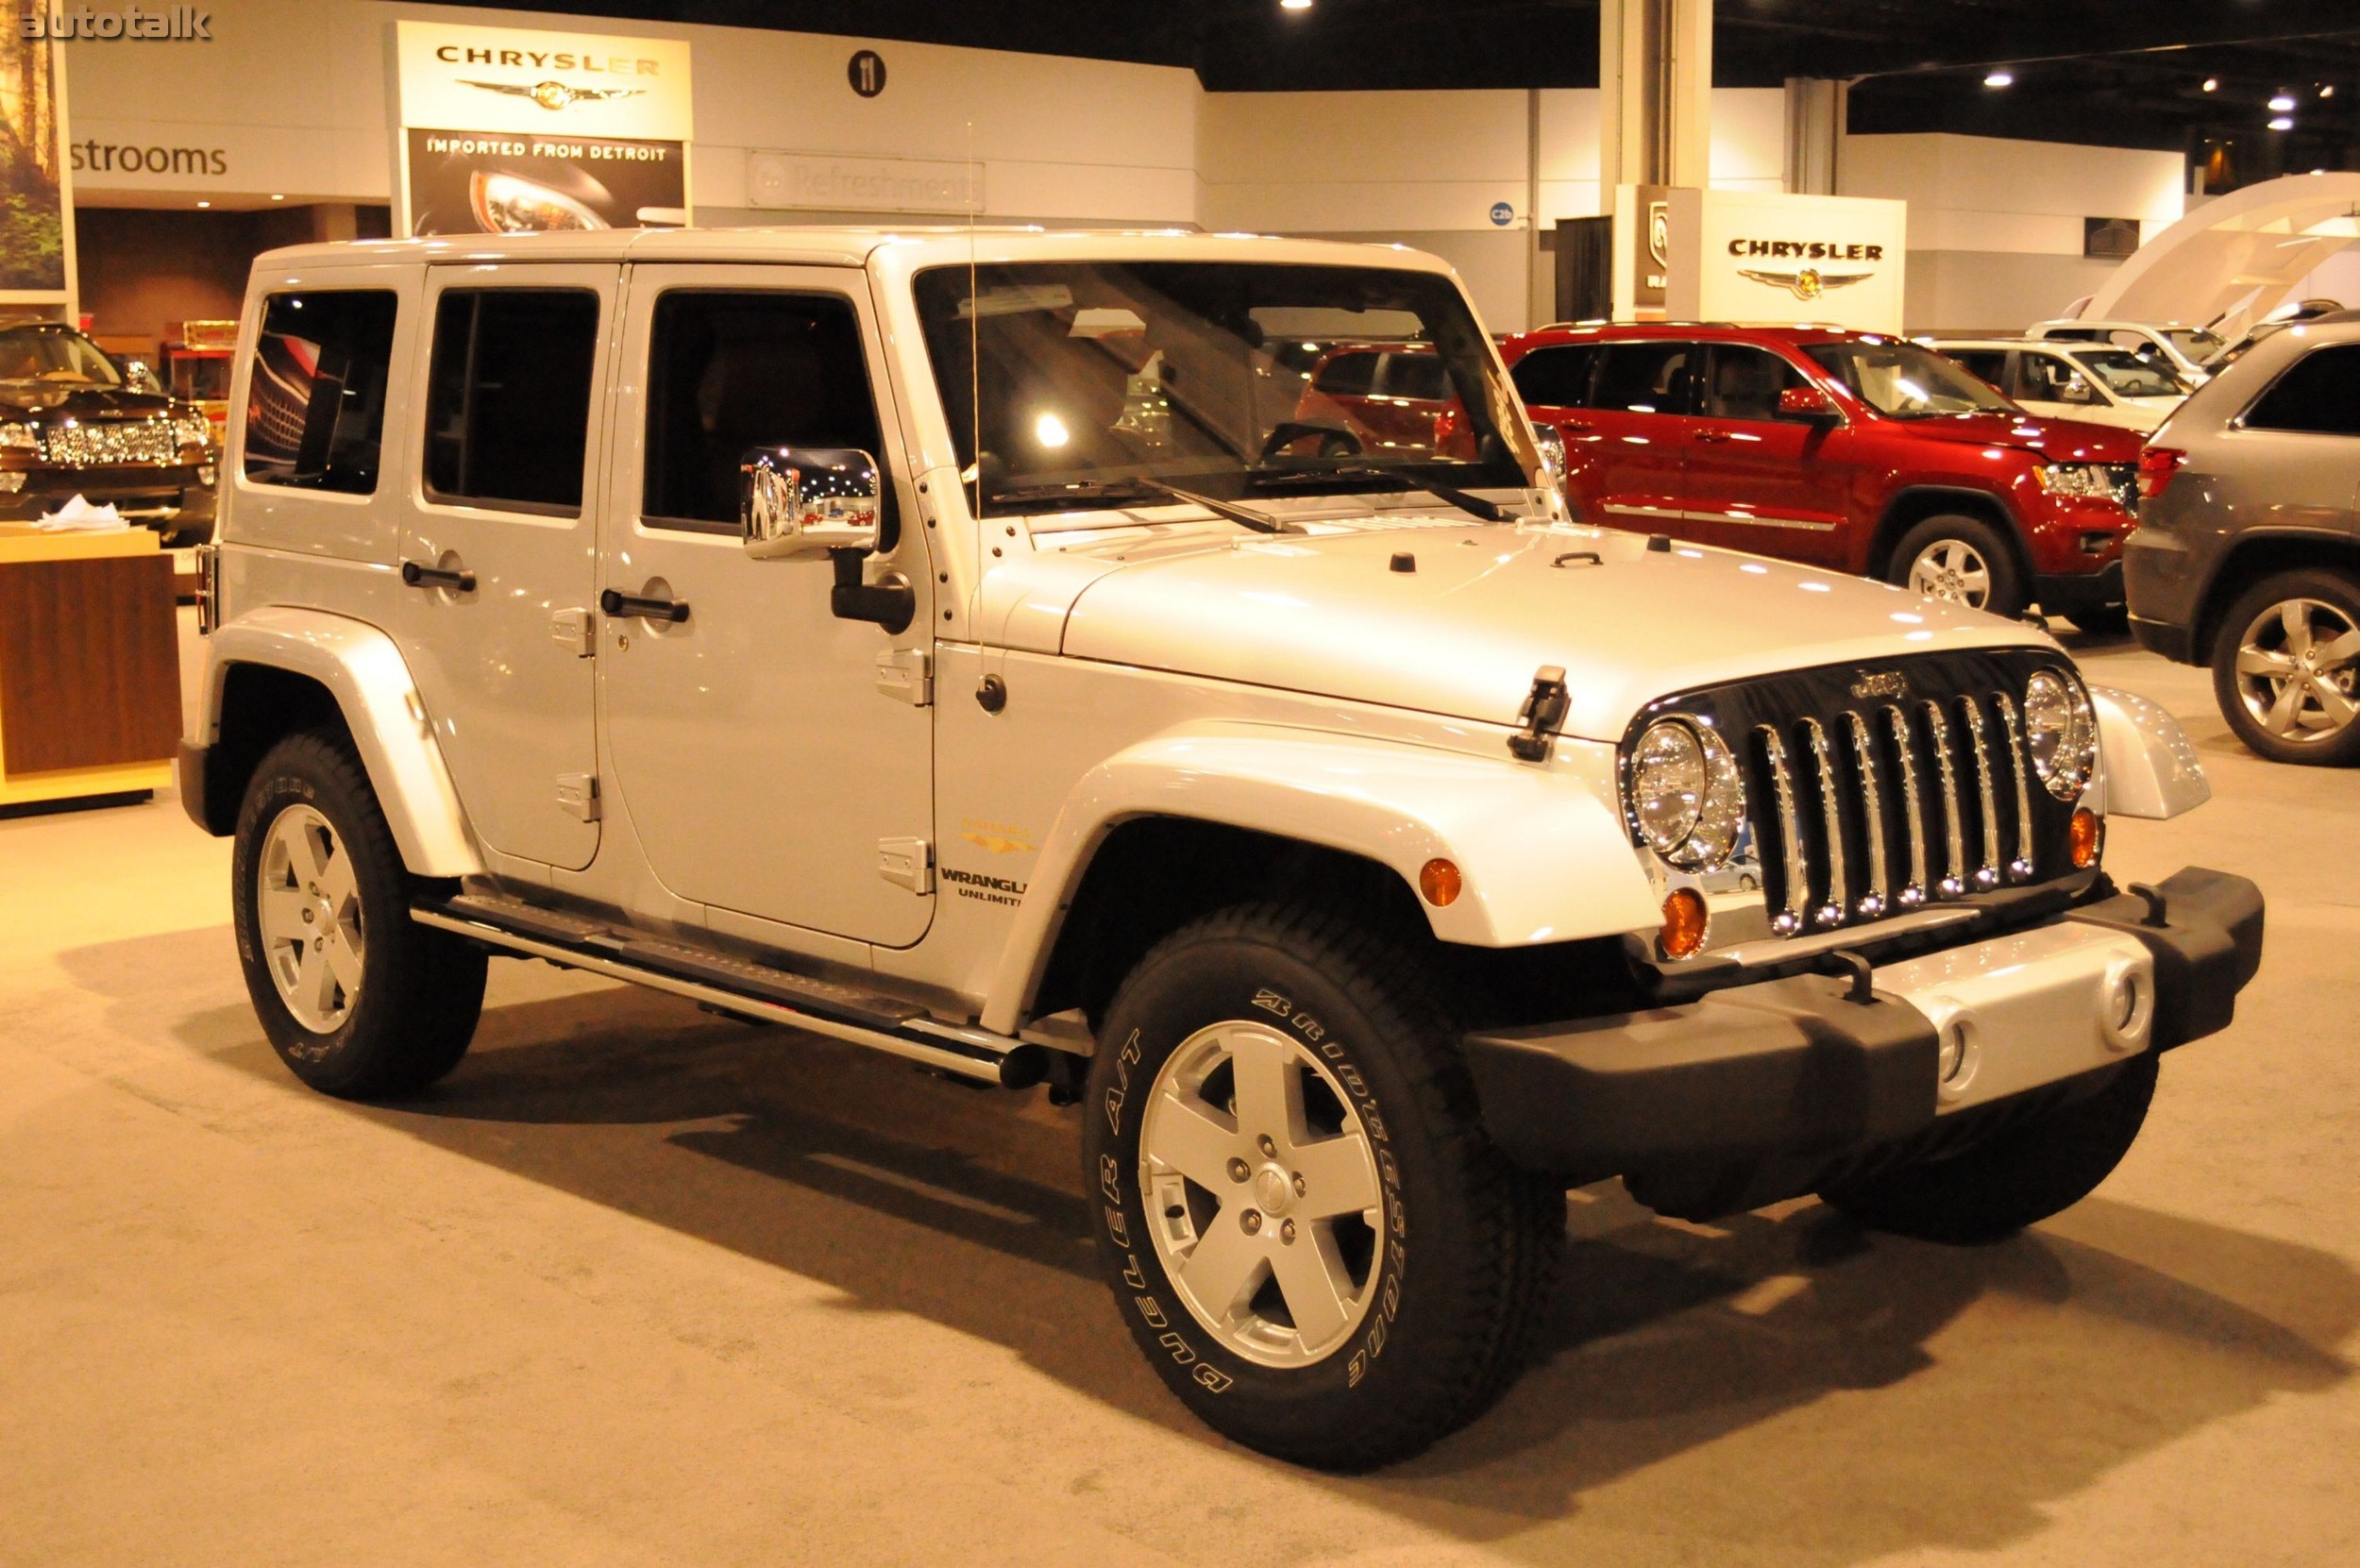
[[1878, 789], [92, 446]]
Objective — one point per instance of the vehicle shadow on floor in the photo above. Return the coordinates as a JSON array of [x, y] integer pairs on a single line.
[[1778, 1376]]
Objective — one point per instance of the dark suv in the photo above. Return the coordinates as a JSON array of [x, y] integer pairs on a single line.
[[1864, 453], [73, 424]]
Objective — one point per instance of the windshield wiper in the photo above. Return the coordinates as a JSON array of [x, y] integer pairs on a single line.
[[1139, 489], [1490, 512]]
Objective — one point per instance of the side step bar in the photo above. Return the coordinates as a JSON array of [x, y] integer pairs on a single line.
[[736, 985]]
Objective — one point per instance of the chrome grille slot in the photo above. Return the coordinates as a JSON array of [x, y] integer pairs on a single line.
[[77, 446], [1868, 808]]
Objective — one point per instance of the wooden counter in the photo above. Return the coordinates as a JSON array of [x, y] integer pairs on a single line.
[[89, 665]]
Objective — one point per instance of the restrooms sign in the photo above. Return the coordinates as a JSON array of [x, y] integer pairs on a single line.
[[505, 130]]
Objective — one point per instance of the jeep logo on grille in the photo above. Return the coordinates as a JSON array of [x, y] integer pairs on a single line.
[[1890, 683]]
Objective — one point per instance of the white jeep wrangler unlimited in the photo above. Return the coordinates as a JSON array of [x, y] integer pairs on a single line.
[[1159, 667]]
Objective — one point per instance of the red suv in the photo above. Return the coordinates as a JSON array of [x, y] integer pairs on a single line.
[[1860, 452]]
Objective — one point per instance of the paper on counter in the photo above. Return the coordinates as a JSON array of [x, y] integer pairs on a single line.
[[79, 517]]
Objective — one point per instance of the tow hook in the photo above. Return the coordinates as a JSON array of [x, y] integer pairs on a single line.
[[1544, 710]]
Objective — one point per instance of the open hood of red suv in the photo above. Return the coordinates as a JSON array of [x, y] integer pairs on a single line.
[[2059, 440]]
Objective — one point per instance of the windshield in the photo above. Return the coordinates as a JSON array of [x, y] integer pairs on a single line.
[[1906, 381], [2129, 374], [2195, 342], [1232, 379], [57, 354]]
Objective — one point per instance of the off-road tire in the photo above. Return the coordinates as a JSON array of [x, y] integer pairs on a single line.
[[2008, 594], [1468, 1244], [1997, 1188], [421, 991], [2322, 584]]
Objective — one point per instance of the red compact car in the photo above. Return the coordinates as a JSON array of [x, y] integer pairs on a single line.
[[1860, 452], [1392, 396]]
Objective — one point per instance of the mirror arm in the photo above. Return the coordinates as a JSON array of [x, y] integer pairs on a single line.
[[892, 605]]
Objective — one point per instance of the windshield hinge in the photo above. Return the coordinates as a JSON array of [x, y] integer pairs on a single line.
[[1544, 710]]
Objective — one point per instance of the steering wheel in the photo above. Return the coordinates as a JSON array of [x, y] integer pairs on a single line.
[[1334, 440]]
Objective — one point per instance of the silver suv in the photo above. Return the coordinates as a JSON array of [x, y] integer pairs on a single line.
[[992, 650], [2247, 556]]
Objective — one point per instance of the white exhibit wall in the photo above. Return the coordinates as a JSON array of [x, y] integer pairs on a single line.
[[291, 95], [1994, 229]]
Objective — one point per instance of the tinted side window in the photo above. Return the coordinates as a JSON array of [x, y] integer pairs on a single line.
[[2320, 393], [1348, 375], [508, 397], [1416, 376], [1645, 378], [315, 406], [1746, 382], [728, 372], [1987, 365], [1556, 378]]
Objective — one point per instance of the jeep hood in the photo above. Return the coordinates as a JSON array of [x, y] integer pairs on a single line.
[[1484, 608], [2058, 440]]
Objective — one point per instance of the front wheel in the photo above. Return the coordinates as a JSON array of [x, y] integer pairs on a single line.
[[2286, 668], [1962, 560], [1998, 1187], [358, 999], [1301, 1219]]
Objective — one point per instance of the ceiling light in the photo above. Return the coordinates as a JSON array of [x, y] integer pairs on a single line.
[[2282, 103], [2328, 90], [2284, 121], [2211, 84], [1294, 5], [205, 204], [276, 198], [2000, 79]]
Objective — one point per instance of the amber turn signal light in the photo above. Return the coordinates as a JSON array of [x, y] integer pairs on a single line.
[[1439, 881], [1685, 921], [2087, 834]]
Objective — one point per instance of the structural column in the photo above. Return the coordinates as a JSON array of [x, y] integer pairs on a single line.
[[1655, 75]]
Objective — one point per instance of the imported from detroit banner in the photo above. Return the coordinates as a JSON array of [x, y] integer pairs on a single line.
[[500, 183]]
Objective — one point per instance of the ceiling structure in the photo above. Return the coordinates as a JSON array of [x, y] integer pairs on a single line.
[[2115, 72]]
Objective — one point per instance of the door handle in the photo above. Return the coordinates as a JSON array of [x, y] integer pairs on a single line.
[[1577, 427], [419, 575], [615, 603], [1716, 437]]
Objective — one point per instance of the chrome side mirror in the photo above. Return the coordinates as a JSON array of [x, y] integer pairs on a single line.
[[1552, 444], [137, 376], [799, 500]]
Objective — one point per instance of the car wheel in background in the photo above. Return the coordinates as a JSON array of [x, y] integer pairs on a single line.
[[2287, 666], [1962, 560]]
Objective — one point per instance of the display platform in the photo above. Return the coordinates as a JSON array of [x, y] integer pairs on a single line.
[[89, 671]]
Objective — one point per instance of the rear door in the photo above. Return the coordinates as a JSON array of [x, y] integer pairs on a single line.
[[1639, 419], [1755, 481], [497, 548]]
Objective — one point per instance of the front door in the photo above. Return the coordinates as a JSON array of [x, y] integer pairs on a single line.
[[769, 765], [497, 551], [1756, 482]]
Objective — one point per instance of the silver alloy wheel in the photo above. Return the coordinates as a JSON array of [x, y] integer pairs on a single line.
[[2295, 670], [1262, 1193], [1952, 569], [307, 906]]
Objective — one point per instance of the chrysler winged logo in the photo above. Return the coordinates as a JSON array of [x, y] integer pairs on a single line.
[[1891, 684], [1803, 282], [556, 95]]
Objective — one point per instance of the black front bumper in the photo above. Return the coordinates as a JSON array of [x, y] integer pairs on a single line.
[[1797, 1069], [2062, 595]]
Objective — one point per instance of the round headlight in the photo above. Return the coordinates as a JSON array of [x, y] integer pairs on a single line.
[[2061, 732], [1687, 796]]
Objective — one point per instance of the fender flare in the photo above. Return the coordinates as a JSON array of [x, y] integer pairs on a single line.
[[365, 673], [1543, 854]]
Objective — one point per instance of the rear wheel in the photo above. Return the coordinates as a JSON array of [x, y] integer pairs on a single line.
[[1303, 1224], [1962, 560], [357, 1000], [2286, 668], [2003, 1184]]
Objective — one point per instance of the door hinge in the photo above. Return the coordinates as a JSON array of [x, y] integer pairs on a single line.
[[578, 794], [907, 863], [575, 631], [907, 673]]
